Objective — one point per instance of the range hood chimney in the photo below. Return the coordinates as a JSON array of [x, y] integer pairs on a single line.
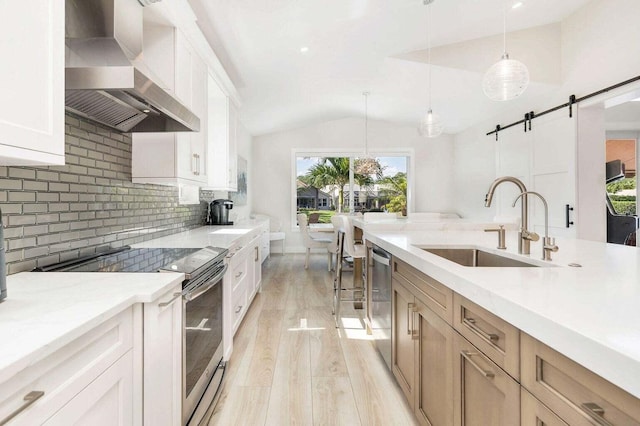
[[104, 76]]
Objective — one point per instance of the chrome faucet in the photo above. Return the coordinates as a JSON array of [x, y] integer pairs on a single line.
[[524, 236], [548, 244]]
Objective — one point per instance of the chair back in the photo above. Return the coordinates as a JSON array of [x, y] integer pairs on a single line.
[[338, 226], [304, 228], [344, 225]]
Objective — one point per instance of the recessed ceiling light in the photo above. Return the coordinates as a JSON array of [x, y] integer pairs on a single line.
[[517, 5], [304, 49]]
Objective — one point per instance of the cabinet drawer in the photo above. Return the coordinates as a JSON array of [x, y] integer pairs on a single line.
[[535, 413], [239, 272], [437, 296], [66, 372], [574, 393], [238, 306], [498, 339]]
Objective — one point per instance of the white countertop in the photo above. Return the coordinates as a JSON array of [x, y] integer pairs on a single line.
[[44, 311], [590, 313], [223, 236]]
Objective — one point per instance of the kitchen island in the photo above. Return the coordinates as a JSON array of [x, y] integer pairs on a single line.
[[583, 303]]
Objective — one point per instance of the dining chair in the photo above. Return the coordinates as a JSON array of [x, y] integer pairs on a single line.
[[312, 239]]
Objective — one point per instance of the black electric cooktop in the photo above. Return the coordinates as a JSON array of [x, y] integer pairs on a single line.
[[126, 259]]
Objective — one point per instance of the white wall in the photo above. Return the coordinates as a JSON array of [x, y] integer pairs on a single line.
[[599, 49], [270, 182]]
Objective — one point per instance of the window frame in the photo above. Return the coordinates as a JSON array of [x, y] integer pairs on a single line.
[[409, 153]]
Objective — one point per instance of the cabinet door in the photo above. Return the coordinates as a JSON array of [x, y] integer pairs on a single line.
[[163, 360], [433, 404], [483, 393], [402, 339], [233, 148], [108, 400], [199, 107], [32, 45]]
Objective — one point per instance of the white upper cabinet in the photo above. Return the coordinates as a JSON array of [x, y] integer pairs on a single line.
[[174, 158], [32, 82], [221, 143]]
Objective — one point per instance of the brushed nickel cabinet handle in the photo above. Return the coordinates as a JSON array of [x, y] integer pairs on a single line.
[[415, 333], [238, 274], [170, 301], [596, 413], [410, 307], [28, 399], [467, 355], [238, 309], [471, 323]]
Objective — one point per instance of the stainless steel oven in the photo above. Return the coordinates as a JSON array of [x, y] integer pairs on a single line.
[[202, 297], [202, 349]]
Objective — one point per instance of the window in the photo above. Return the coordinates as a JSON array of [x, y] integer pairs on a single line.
[[330, 183]]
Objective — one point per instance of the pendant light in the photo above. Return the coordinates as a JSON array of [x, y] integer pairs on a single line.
[[431, 125], [366, 165], [507, 78]]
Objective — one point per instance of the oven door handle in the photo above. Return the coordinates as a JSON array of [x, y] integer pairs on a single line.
[[195, 292]]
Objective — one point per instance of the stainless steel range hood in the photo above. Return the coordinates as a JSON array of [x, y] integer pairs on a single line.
[[105, 77]]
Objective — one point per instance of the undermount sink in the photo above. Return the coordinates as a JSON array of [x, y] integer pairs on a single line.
[[477, 258]]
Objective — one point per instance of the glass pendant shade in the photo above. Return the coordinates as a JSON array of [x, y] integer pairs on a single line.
[[506, 79], [431, 125]]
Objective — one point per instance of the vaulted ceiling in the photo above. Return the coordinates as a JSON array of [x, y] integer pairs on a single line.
[[298, 62]]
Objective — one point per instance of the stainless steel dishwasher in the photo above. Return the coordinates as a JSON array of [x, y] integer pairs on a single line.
[[381, 301]]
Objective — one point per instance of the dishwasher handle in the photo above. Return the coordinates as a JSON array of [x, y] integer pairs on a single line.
[[381, 256]]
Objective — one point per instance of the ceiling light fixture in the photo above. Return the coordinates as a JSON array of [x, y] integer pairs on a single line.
[[431, 126], [507, 78], [366, 165]]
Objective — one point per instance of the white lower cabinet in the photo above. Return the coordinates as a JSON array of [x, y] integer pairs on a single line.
[[162, 360], [125, 371], [108, 400], [67, 372]]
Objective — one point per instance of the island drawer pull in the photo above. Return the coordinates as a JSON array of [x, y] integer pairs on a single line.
[[471, 323], [170, 301], [596, 413], [467, 355], [410, 308], [28, 399]]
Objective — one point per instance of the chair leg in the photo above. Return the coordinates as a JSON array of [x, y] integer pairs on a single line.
[[329, 261], [306, 259]]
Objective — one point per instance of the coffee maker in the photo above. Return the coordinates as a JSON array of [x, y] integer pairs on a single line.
[[219, 212]]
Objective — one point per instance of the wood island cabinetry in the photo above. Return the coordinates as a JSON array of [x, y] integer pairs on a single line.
[[422, 344], [459, 364]]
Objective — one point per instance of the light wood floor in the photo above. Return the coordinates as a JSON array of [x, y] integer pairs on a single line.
[[291, 366]]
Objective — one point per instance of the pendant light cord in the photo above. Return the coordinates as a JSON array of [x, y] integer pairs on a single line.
[[429, 55], [366, 123], [504, 28]]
